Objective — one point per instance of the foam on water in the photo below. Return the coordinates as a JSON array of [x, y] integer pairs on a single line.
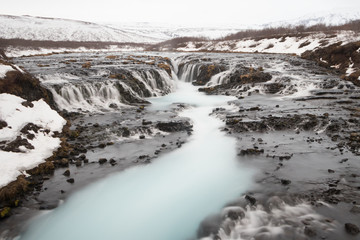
[[164, 200]]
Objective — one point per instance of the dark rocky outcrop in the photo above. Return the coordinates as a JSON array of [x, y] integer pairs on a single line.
[[206, 72], [174, 126], [242, 76], [305, 122], [245, 75]]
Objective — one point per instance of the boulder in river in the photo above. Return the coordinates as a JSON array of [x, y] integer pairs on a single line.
[[352, 229]]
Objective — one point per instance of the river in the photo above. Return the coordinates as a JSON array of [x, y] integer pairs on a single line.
[[164, 200]]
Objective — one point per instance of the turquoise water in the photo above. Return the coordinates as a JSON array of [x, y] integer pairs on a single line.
[[164, 200]]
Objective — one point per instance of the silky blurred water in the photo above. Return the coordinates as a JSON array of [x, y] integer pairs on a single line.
[[164, 200]]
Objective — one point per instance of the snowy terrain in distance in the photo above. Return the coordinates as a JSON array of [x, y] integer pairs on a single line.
[[55, 29]]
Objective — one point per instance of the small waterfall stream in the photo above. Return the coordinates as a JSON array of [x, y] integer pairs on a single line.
[[164, 200]]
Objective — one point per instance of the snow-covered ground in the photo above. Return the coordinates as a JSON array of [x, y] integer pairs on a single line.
[[4, 69], [17, 116]]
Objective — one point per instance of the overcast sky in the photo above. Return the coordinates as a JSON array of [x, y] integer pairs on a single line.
[[178, 11]]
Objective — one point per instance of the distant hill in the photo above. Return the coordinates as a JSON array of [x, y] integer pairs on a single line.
[[55, 29]]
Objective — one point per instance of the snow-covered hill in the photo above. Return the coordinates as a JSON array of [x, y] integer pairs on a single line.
[[55, 29], [287, 45], [335, 18]]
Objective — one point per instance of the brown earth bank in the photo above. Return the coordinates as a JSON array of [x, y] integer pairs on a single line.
[[339, 58]]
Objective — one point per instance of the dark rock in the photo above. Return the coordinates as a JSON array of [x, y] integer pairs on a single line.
[[64, 162], [102, 160], [144, 122], [78, 163], [251, 199], [67, 173], [254, 109], [236, 214], [125, 132], [3, 124], [285, 157], [113, 105], [174, 126], [344, 160], [27, 104], [352, 229], [5, 212], [30, 136], [102, 145], [96, 125], [355, 209], [330, 171], [273, 88], [142, 137], [112, 162], [70, 180], [285, 181], [251, 151], [309, 231]]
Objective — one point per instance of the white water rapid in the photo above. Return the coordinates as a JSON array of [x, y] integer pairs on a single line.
[[164, 200]]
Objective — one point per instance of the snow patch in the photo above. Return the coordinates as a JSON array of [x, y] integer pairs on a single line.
[[4, 69], [17, 116], [351, 68], [322, 60]]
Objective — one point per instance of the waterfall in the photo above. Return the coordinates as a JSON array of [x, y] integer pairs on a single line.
[[104, 95], [87, 96]]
